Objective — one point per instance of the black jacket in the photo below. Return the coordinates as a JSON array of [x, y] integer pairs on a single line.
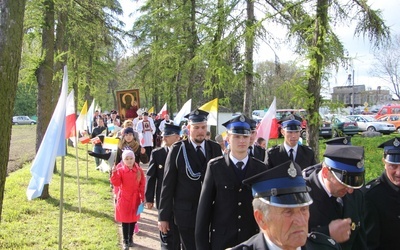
[[181, 186], [155, 174], [225, 213], [382, 213], [278, 155], [322, 212]]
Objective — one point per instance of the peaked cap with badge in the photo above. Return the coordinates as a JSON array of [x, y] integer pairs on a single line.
[[346, 163], [239, 125], [391, 150], [197, 116], [171, 129], [281, 186], [291, 122], [339, 141]]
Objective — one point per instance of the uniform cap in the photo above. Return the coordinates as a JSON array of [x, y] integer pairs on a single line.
[[197, 116], [253, 124], [281, 186], [391, 150], [171, 129], [339, 141], [291, 122], [239, 125], [346, 163]]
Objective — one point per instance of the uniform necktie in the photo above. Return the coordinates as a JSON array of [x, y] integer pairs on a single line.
[[200, 155], [291, 154], [251, 151], [239, 165]]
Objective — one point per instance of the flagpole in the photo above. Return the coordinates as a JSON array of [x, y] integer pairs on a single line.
[[60, 223], [77, 172], [87, 163]]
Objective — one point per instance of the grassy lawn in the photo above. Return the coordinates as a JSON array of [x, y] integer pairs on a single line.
[[35, 224]]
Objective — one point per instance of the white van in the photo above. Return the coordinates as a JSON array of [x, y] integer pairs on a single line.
[[258, 114]]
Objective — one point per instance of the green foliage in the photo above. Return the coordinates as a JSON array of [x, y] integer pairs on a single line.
[[25, 98]]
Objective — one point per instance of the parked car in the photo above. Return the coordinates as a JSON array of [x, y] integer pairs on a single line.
[[345, 125], [393, 119], [325, 130], [22, 120], [387, 110], [368, 123]]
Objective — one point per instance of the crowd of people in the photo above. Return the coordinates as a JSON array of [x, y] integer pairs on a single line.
[[234, 193]]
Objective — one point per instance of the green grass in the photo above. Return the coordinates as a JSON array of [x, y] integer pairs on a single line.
[[35, 224], [373, 154]]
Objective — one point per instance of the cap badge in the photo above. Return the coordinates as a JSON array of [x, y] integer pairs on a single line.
[[160, 166], [242, 119], [345, 141], [396, 142], [292, 170], [196, 112], [360, 164]]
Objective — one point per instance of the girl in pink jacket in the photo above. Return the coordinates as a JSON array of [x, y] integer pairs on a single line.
[[129, 177]]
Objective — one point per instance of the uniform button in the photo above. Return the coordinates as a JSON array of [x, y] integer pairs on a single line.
[[213, 230], [225, 186], [239, 230], [239, 217], [240, 190], [239, 203]]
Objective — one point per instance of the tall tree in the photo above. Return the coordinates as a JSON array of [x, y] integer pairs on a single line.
[[387, 64], [11, 33], [316, 40]]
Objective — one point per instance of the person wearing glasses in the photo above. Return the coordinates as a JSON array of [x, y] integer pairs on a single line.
[[338, 206], [382, 201]]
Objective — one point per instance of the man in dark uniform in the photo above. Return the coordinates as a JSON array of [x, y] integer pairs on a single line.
[[382, 201], [185, 168], [290, 149], [225, 215], [281, 209], [338, 205], [155, 174], [255, 150]]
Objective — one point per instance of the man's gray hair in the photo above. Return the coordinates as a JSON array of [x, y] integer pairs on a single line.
[[261, 206]]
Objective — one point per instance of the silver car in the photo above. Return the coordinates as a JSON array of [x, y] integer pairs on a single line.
[[368, 123], [22, 120]]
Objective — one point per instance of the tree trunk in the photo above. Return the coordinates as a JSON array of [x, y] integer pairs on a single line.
[[248, 64], [11, 34], [44, 74], [315, 70]]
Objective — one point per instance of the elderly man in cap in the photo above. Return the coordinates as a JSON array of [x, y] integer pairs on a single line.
[[281, 209], [185, 169], [382, 201], [155, 174], [338, 207], [290, 149], [224, 216]]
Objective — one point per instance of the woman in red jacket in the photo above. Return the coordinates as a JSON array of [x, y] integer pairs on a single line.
[[129, 177]]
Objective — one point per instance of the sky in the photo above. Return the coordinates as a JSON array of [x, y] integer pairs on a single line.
[[358, 48]]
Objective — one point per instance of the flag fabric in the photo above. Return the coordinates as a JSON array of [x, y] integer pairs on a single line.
[[53, 144], [163, 111], [85, 139], [70, 128], [81, 122], [264, 128], [212, 108], [151, 110], [110, 143], [186, 108], [89, 117]]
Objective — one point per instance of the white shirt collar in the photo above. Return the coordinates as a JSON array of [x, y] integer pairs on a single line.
[[234, 160], [287, 148], [202, 145]]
